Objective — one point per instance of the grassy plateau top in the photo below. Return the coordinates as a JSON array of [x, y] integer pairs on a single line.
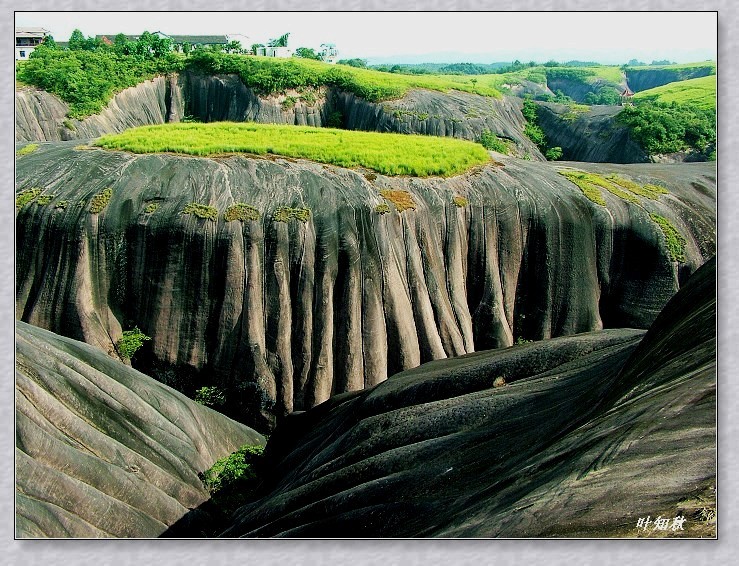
[[389, 154]]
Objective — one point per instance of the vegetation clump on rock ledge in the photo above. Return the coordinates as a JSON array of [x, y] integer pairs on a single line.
[[241, 211], [202, 211], [286, 213], [402, 200], [101, 200], [25, 196]]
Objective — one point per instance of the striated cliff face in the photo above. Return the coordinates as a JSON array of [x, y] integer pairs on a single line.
[[103, 450], [40, 116], [588, 434], [284, 314], [592, 136]]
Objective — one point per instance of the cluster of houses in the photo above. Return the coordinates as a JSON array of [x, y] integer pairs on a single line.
[[28, 38]]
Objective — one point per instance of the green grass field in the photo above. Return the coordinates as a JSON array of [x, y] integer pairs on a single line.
[[268, 75], [390, 154], [679, 66], [700, 92]]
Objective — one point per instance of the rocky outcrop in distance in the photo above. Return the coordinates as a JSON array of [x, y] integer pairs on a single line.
[[571, 437], [41, 116], [593, 136], [103, 450], [577, 90], [644, 79], [332, 294]]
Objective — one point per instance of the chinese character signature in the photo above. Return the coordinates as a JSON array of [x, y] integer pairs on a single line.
[[661, 523]]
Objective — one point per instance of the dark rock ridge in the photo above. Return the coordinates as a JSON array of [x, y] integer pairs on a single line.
[[285, 314], [590, 433], [592, 136], [644, 79], [103, 450], [40, 116]]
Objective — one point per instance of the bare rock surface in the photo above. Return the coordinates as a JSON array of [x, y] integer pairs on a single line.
[[103, 450], [284, 314], [589, 433]]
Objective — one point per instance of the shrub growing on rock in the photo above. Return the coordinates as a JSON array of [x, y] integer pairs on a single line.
[[130, 342]]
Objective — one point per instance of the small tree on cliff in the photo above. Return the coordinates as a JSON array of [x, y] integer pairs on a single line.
[[280, 41]]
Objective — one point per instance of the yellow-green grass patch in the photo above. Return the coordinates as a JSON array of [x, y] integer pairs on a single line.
[[700, 92], [389, 154], [591, 183], [673, 239], [26, 149]]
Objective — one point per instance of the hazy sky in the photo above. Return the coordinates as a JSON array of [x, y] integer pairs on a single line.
[[607, 37]]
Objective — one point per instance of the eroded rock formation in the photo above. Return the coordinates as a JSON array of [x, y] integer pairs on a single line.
[[589, 433], [41, 116], [593, 135], [644, 79], [283, 314], [103, 450]]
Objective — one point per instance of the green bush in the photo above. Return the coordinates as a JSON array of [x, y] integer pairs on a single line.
[[43, 200], [87, 79], [100, 200], [667, 128], [130, 342], [236, 466], [62, 204], [491, 141], [151, 207], [201, 211], [382, 208], [211, 396], [553, 153]]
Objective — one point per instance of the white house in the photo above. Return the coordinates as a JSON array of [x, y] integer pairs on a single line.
[[26, 40], [274, 51]]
